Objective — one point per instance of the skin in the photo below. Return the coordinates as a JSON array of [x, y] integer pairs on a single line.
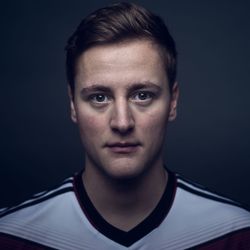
[[122, 96]]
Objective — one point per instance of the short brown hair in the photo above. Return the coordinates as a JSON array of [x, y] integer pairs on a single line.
[[116, 23]]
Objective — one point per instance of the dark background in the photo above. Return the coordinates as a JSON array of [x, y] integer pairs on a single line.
[[210, 140]]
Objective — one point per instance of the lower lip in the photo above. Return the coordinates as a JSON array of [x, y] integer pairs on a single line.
[[124, 150]]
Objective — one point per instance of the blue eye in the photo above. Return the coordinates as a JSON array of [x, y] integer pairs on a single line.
[[99, 98], [143, 96]]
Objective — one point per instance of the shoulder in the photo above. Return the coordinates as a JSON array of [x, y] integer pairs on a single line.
[[208, 216], [202, 201], [191, 191], [34, 218], [39, 200]]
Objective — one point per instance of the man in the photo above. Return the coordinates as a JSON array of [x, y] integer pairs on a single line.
[[121, 69]]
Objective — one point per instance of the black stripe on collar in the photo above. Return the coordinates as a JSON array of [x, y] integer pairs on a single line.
[[35, 201], [210, 196]]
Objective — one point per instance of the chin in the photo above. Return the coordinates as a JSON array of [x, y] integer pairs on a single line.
[[124, 170]]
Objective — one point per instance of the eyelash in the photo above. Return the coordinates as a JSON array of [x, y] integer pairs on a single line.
[[92, 97], [149, 95]]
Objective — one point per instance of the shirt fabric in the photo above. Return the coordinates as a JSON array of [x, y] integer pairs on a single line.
[[188, 216]]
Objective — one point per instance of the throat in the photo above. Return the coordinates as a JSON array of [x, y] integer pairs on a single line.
[[126, 206]]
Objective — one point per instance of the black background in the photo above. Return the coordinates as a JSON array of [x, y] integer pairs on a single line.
[[210, 140]]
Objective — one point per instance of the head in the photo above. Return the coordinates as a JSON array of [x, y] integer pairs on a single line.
[[121, 68]]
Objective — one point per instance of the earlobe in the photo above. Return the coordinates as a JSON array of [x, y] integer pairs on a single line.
[[174, 102], [72, 106]]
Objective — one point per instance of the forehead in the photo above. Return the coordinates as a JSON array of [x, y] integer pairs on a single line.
[[123, 63]]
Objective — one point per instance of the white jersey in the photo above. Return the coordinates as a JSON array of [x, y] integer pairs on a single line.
[[187, 217]]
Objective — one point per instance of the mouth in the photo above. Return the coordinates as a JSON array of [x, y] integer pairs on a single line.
[[123, 147]]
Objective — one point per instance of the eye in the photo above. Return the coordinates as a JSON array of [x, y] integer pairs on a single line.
[[99, 98], [143, 96]]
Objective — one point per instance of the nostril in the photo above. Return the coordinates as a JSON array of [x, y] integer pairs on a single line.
[[122, 124], [122, 120], [123, 131]]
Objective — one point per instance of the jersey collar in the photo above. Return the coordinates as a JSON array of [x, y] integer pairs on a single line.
[[152, 221]]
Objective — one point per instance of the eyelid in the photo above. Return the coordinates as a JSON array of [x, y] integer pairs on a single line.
[[150, 94], [147, 92], [93, 95]]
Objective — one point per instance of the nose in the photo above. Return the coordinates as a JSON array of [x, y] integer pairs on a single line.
[[122, 120]]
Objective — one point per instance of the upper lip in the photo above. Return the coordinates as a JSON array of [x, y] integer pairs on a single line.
[[123, 144]]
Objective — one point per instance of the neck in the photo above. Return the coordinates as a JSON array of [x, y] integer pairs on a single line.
[[125, 203]]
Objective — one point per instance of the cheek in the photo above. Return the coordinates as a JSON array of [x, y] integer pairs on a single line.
[[91, 125], [154, 122], [153, 129]]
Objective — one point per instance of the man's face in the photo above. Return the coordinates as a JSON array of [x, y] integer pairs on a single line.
[[122, 104]]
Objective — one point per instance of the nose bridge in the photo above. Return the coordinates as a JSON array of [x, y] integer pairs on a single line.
[[122, 117]]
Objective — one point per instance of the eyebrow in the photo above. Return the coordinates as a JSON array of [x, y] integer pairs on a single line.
[[143, 85], [131, 88], [93, 88]]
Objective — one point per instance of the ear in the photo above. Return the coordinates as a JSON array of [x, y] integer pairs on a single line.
[[72, 105], [173, 102]]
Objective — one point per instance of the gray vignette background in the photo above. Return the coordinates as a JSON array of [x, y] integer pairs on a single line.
[[210, 140]]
